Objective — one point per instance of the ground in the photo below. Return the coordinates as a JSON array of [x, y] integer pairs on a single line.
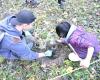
[[85, 13]]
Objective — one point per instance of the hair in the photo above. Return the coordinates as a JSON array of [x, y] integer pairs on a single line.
[[62, 29], [60, 1]]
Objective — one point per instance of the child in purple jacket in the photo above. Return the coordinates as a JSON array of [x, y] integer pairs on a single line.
[[84, 45]]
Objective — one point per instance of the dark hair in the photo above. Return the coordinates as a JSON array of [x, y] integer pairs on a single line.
[[60, 1], [62, 29]]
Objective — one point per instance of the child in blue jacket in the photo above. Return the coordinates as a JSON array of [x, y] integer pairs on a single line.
[[13, 44]]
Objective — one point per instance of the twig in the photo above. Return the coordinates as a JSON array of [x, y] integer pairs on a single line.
[[73, 71]]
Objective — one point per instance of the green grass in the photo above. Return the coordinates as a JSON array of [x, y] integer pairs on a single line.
[[48, 13]]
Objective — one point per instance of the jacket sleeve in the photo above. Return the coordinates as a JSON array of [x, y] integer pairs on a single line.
[[23, 51]]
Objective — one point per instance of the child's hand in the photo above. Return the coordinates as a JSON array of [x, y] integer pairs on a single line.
[[60, 40], [84, 63]]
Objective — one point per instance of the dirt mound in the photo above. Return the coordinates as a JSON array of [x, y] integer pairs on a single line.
[[60, 53]]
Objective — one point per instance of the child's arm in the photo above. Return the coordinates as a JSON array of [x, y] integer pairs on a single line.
[[86, 62], [90, 53], [26, 53]]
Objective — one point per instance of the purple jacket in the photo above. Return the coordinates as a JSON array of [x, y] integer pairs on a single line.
[[80, 40]]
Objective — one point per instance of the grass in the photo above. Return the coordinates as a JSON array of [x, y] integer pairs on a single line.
[[48, 13]]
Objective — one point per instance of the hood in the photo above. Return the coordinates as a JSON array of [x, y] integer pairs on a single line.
[[71, 30], [6, 26]]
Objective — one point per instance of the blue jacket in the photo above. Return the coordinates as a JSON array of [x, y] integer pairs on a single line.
[[13, 46]]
